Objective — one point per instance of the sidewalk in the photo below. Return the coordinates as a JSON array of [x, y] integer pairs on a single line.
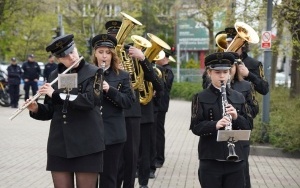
[[23, 144]]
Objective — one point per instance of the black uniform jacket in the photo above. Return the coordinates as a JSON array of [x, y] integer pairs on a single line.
[[14, 73], [119, 97], [49, 67], [31, 70], [206, 111], [79, 131], [256, 75], [168, 78], [246, 89], [150, 76], [135, 110]]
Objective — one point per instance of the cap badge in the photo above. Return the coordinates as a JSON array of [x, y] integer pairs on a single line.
[[59, 44], [104, 37]]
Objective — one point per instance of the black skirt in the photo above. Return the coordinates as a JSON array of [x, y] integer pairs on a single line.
[[87, 163]]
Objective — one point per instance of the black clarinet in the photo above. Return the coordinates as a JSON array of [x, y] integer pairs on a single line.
[[224, 104]]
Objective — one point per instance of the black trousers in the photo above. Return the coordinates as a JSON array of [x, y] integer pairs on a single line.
[[34, 87], [246, 150], [129, 154], [111, 158], [160, 138], [153, 151], [14, 94], [144, 154], [219, 174]]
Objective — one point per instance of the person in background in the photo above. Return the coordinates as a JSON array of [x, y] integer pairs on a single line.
[[208, 117], [117, 95], [163, 108], [14, 74], [251, 69], [76, 138], [49, 67], [31, 74]]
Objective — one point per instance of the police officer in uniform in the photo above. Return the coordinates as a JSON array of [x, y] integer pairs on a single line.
[[31, 74], [76, 140], [14, 73], [117, 95], [49, 67], [250, 69], [207, 118]]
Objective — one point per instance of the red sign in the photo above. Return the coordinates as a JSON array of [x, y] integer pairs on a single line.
[[266, 37]]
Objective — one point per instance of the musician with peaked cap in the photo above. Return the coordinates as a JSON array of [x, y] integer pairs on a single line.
[[112, 27], [117, 96], [250, 69], [163, 106], [76, 140], [129, 156], [207, 118]]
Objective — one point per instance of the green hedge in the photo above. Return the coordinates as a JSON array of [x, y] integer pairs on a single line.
[[283, 129]]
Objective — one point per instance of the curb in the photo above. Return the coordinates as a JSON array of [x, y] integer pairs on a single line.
[[272, 152]]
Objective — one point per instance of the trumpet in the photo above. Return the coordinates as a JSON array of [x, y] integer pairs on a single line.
[[36, 96]]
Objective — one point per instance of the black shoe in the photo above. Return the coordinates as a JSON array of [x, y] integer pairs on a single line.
[[144, 186], [158, 165], [151, 175]]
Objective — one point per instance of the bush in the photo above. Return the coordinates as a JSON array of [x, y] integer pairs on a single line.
[[283, 129]]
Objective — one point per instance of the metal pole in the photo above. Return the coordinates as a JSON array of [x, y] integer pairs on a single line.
[[267, 67], [178, 62], [60, 24]]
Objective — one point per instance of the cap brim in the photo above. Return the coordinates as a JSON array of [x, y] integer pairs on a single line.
[[172, 59], [66, 52], [220, 68]]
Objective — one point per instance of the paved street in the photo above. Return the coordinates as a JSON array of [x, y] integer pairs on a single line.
[[23, 155]]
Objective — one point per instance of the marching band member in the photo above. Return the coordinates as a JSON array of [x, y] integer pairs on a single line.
[[207, 118], [129, 155], [117, 95], [75, 143]]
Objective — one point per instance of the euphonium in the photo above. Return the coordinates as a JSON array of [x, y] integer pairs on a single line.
[[232, 155], [146, 88], [245, 33], [128, 23], [138, 77]]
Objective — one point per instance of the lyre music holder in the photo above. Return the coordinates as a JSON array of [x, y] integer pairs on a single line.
[[67, 82], [233, 135]]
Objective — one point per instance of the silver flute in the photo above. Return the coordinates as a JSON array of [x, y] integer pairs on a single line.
[[36, 96]]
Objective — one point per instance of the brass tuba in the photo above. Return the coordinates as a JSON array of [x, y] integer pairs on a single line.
[[146, 88], [245, 33], [140, 43], [128, 23]]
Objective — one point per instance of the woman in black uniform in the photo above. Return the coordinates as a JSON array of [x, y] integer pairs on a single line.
[[117, 95], [75, 143], [207, 118]]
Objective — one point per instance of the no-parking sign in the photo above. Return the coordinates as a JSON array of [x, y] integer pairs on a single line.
[[266, 39]]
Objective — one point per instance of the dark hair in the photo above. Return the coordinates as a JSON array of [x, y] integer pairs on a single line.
[[245, 47]]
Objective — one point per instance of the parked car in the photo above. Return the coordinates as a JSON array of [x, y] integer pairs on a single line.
[[281, 80]]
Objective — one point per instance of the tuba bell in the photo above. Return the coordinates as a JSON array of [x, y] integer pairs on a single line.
[[146, 88], [221, 41], [245, 33], [128, 23]]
